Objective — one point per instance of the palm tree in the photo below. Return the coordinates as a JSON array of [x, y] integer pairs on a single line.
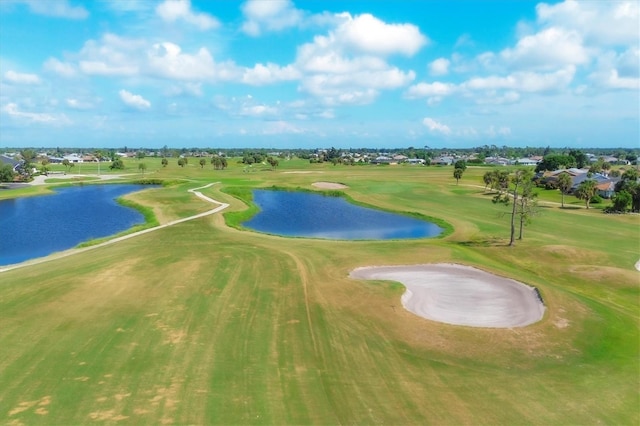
[[586, 190], [564, 184]]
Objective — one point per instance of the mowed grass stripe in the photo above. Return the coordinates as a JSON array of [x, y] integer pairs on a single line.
[[202, 324]]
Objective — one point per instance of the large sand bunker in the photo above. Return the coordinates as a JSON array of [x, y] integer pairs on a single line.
[[329, 185], [461, 295]]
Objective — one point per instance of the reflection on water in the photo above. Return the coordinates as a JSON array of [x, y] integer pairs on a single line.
[[37, 226], [304, 214]]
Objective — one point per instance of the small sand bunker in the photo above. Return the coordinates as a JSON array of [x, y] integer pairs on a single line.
[[461, 295], [329, 185]]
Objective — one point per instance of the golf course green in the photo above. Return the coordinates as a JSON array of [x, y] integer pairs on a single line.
[[204, 322]]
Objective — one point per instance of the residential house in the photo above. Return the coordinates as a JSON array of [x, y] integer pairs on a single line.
[[74, 158], [383, 159], [525, 162], [414, 161], [444, 160], [15, 164], [496, 161]]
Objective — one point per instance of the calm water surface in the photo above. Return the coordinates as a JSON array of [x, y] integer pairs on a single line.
[[38, 226], [303, 214]]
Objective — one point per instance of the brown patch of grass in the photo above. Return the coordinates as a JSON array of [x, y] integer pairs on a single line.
[[107, 416], [27, 405], [571, 254], [612, 277]]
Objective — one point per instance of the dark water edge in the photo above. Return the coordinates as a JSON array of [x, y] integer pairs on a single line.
[[33, 227], [303, 214]]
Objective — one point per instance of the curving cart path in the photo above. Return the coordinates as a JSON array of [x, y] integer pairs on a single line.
[[195, 191]]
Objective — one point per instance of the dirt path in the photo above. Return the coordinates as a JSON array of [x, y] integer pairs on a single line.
[[221, 206]]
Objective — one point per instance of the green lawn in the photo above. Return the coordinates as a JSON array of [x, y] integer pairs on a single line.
[[201, 323]]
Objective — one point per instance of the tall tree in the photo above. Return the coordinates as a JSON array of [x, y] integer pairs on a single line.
[[273, 162], [586, 190], [142, 167], [527, 203], [520, 184], [500, 180], [580, 157], [45, 166], [629, 183], [487, 178], [556, 161], [28, 156], [460, 164], [564, 184], [202, 163], [6, 173], [457, 174]]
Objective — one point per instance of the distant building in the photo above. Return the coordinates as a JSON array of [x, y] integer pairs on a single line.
[[73, 158], [15, 164], [526, 162]]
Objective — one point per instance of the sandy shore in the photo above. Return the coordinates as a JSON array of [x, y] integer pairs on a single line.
[[461, 295]]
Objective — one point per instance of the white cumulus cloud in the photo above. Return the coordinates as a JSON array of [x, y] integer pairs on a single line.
[[64, 69], [368, 34], [14, 111], [56, 8], [348, 65], [436, 88], [273, 15], [439, 67], [270, 73], [134, 101], [435, 126], [524, 81], [176, 10], [21, 78], [600, 22], [548, 49]]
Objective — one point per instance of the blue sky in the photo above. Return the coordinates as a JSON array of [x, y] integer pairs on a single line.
[[306, 74]]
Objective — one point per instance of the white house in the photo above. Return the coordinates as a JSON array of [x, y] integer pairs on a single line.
[[73, 158], [525, 162]]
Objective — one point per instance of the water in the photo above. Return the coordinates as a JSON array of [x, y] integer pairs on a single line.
[[303, 214], [33, 227]]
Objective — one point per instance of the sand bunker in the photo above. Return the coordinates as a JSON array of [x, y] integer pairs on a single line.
[[461, 295], [329, 185]]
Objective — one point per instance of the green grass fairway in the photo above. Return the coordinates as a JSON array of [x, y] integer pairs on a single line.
[[203, 323]]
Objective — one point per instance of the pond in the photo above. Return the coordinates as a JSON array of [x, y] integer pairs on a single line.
[[303, 214], [33, 227]]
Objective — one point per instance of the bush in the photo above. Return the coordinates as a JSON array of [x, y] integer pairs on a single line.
[[596, 199], [117, 164]]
